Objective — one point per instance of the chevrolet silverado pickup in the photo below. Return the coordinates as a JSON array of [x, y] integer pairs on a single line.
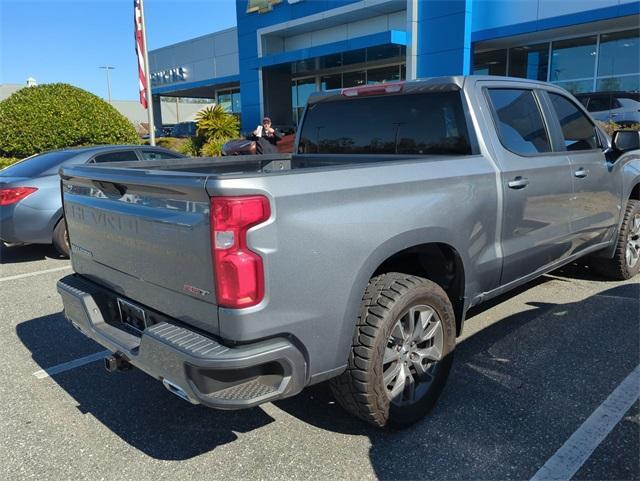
[[240, 280]]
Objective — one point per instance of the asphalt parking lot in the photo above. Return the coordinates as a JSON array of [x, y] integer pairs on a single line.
[[530, 369]]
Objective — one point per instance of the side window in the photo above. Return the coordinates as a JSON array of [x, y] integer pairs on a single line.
[[519, 121], [157, 155], [578, 131], [121, 156]]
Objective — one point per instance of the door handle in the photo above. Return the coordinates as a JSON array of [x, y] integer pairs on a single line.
[[518, 183], [580, 173]]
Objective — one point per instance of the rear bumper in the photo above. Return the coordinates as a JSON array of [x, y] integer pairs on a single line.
[[189, 364]]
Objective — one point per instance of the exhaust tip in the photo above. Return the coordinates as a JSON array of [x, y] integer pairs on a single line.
[[177, 390]]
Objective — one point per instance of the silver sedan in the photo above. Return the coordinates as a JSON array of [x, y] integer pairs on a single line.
[[30, 204]]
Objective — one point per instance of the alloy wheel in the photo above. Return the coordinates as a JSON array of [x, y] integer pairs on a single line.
[[633, 242], [413, 350]]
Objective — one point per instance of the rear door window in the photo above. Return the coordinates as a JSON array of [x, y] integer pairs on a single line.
[[578, 131], [120, 156], [409, 124], [519, 121]]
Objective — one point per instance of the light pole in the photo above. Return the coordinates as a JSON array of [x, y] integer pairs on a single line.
[[107, 68]]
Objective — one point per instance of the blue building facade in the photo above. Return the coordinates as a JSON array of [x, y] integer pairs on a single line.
[[286, 49]]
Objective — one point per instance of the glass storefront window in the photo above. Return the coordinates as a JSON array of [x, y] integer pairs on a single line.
[[573, 62], [355, 56], [382, 52], [629, 83], [354, 79], [576, 86], [330, 82], [230, 100], [619, 53], [493, 62], [573, 59], [530, 61], [382, 75], [300, 91]]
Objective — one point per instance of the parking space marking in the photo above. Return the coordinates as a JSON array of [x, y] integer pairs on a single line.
[[31, 274], [66, 366], [577, 449]]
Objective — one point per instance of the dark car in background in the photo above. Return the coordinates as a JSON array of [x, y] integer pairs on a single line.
[[623, 108], [30, 203]]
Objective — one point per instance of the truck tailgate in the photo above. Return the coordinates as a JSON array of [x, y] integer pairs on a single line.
[[146, 235]]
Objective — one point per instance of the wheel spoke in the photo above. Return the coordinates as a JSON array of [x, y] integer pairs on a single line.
[[397, 333], [391, 373], [398, 386], [429, 354], [390, 354], [636, 225], [410, 323], [432, 330], [410, 386], [424, 318]]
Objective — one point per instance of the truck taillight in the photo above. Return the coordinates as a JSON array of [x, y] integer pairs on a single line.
[[11, 195], [239, 271]]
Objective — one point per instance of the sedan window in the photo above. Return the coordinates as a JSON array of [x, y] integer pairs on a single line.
[[120, 156], [149, 154]]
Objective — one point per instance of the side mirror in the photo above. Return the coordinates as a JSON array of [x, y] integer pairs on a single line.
[[623, 141], [626, 140]]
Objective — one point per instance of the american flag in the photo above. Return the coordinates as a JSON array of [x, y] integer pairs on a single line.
[[140, 50]]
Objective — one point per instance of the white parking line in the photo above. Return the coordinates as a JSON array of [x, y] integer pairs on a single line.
[[577, 449], [66, 366], [31, 274]]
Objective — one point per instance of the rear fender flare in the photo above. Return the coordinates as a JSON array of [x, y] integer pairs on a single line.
[[387, 249]]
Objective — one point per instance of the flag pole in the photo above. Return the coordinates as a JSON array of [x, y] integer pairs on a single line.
[[147, 76]]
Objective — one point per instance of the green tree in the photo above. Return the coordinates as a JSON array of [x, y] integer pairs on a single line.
[[54, 116]]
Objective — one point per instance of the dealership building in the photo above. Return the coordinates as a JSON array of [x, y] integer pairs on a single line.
[[283, 50]]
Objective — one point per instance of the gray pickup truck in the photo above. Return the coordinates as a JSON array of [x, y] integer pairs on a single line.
[[237, 281]]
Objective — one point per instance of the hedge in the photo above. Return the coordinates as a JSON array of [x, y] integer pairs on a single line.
[[55, 116]]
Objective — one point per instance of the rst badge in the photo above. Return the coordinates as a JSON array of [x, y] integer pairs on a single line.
[[195, 290]]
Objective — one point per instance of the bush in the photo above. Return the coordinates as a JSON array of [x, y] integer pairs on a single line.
[[213, 148], [214, 123], [610, 126], [171, 143], [55, 116], [191, 146], [7, 161]]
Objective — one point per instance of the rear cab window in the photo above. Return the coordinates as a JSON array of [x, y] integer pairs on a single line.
[[519, 122], [431, 123]]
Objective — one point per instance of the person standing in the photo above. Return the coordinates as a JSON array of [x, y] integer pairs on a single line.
[[266, 137]]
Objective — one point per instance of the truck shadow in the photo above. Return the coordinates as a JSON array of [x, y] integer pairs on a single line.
[[26, 253], [131, 404], [518, 389], [513, 381]]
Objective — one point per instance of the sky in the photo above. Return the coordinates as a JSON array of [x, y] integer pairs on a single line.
[[67, 40]]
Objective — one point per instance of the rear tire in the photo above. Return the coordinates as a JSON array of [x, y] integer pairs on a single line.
[[385, 342], [61, 238], [626, 261]]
